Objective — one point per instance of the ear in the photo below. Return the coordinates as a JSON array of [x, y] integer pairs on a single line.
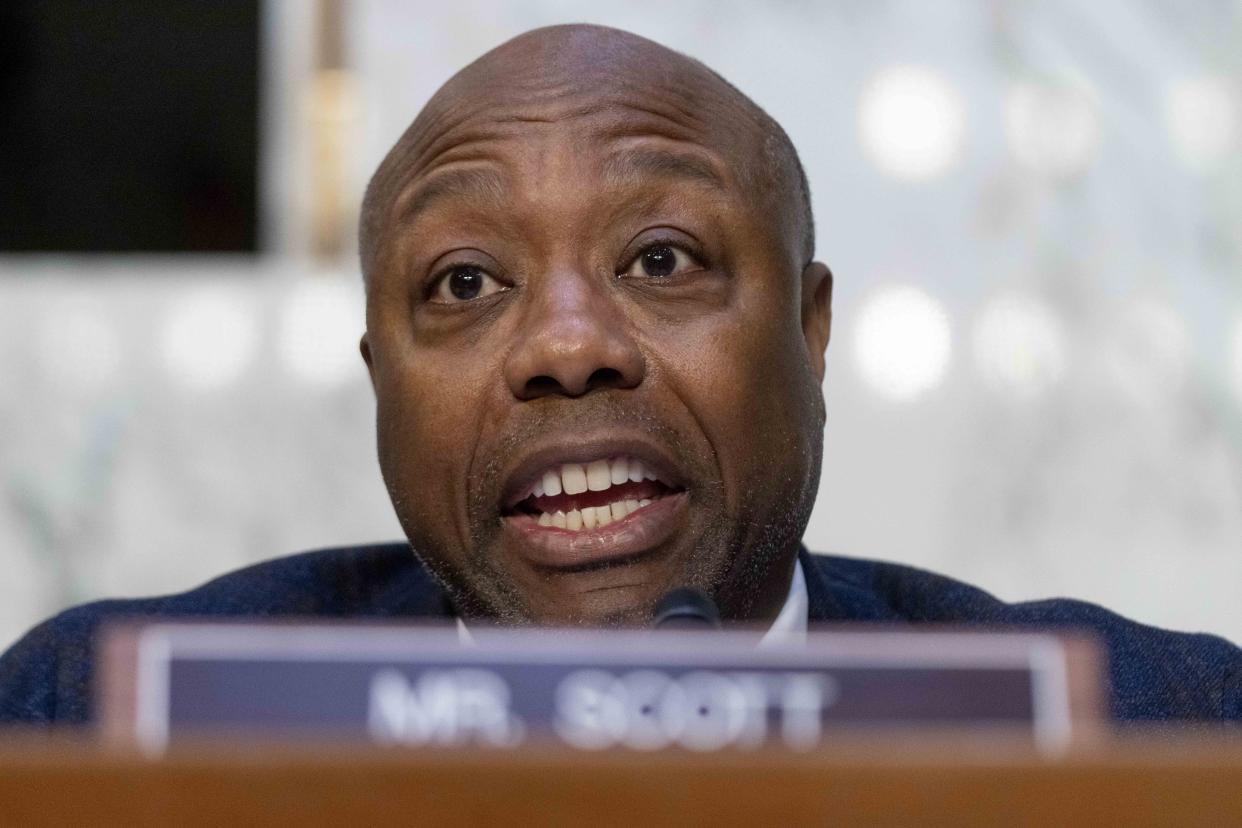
[[817, 313], [364, 346]]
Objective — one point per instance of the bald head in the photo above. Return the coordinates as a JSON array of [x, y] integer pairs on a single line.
[[564, 72]]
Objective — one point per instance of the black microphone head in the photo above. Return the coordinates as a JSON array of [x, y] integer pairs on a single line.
[[686, 608]]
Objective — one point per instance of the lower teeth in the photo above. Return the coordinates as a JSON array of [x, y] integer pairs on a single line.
[[590, 517]]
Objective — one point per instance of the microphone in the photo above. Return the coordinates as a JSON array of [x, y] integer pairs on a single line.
[[686, 608]]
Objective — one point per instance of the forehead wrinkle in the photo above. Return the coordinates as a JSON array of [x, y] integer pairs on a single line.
[[495, 108], [534, 112], [483, 186], [463, 123], [635, 165], [457, 143], [511, 105], [466, 135]]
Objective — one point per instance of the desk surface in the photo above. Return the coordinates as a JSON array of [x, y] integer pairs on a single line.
[[1140, 780]]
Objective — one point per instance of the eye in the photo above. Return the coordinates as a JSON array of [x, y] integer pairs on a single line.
[[461, 283], [660, 261]]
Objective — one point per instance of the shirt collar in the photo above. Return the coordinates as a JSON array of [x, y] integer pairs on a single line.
[[791, 623]]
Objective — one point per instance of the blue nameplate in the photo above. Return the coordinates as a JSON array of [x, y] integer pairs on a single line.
[[642, 690]]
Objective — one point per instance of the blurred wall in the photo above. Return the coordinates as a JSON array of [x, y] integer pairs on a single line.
[[1035, 378]]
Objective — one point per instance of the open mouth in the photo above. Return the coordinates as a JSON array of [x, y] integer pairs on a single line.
[[579, 497]]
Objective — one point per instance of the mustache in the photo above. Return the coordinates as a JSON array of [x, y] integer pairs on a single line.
[[594, 411]]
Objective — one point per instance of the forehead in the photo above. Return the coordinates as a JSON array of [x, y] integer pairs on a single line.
[[679, 128], [654, 92], [485, 171]]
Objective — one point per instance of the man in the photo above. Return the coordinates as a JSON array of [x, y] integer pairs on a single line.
[[596, 335]]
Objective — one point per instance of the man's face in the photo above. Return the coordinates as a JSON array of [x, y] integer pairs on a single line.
[[593, 370]]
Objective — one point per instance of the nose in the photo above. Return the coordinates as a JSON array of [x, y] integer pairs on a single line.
[[572, 339]]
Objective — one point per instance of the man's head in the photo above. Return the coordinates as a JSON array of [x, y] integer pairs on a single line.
[[588, 267]]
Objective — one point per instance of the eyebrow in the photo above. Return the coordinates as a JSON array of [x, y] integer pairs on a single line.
[[474, 184], [632, 165]]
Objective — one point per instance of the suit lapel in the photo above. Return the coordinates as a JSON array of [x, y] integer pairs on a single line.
[[821, 605], [415, 593]]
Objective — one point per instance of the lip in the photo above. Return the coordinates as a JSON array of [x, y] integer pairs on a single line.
[[583, 449], [637, 533]]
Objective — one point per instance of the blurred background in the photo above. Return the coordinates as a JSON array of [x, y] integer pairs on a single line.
[[1034, 214]]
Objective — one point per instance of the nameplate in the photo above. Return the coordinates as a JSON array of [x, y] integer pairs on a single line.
[[638, 690]]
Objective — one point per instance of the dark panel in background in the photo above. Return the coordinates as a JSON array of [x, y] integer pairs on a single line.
[[128, 125]]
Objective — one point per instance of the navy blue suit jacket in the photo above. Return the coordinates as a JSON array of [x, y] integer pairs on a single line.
[[1155, 674]]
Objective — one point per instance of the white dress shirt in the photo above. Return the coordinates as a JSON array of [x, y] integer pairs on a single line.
[[791, 623]]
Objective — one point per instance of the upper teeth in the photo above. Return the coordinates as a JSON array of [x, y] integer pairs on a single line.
[[598, 475]]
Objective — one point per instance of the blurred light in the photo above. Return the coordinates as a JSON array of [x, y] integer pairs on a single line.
[[1019, 346], [1150, 352], [319, 329], [902, 342], [209, 339], [912, 122], [1053, 130], [79, 347], [1203, 120], [1235, 359]]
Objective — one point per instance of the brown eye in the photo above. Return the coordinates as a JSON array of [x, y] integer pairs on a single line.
[[463, 283], [660, 261]]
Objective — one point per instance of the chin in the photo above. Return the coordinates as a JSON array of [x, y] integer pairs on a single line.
[[621, 594], [618, 608]]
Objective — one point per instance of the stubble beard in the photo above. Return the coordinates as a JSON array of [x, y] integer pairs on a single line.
[[732, 558]]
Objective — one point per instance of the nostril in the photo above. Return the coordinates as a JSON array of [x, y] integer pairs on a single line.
[[605, 378], [543, 385]]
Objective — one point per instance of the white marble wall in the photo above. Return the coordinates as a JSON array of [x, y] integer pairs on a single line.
[[166, 421], [1050, 404]]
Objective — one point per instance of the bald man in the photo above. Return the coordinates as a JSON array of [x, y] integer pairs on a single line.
[[596, 336]]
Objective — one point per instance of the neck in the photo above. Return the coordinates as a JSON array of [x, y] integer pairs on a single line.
[[743, 601]]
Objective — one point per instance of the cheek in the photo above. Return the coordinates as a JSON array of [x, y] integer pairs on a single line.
[[748, 374], [744, 377], [429, 408]]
